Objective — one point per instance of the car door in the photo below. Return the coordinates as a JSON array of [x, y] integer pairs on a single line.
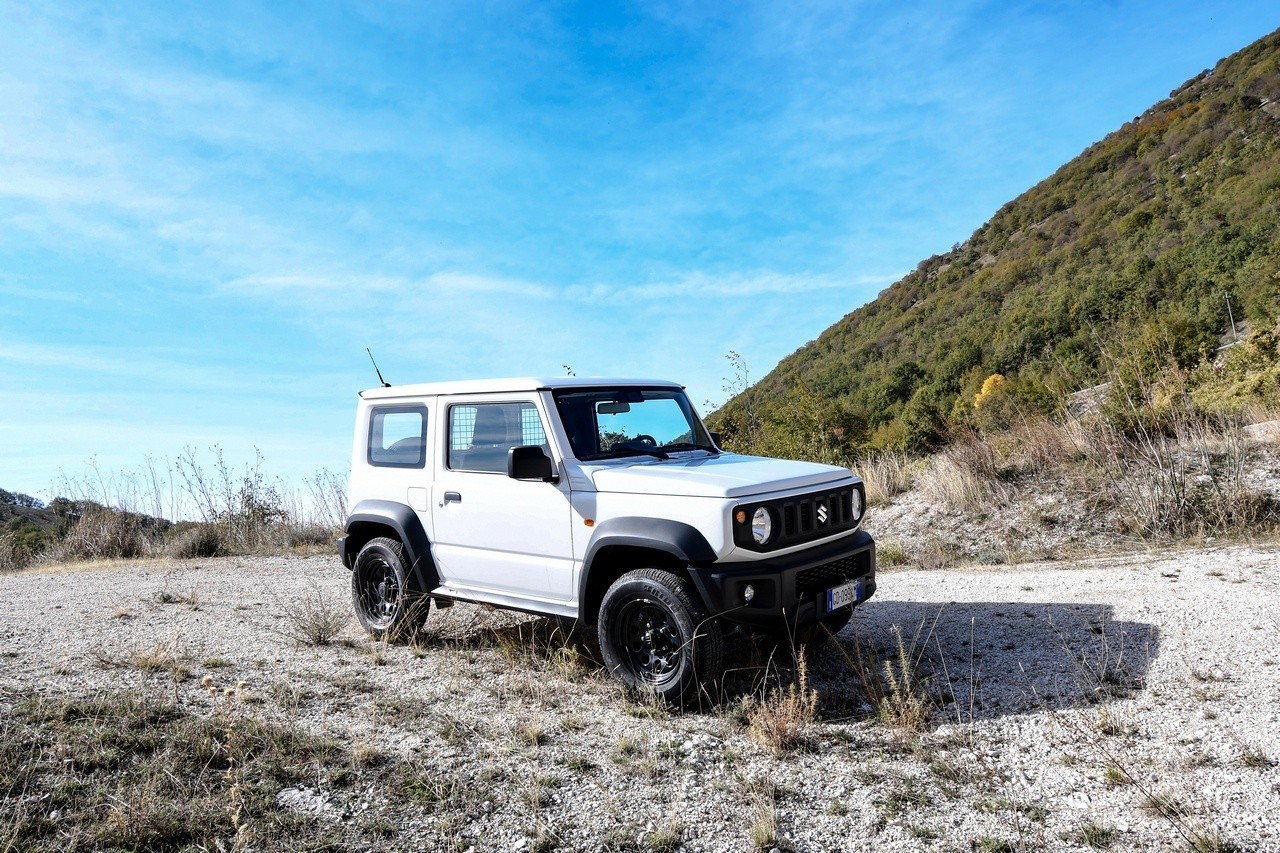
[[494, 533]]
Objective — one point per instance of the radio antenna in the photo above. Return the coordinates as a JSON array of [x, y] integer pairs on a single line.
[[385, 383]]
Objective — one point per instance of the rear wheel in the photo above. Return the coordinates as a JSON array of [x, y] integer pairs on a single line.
[[655, 634], [384, 601]]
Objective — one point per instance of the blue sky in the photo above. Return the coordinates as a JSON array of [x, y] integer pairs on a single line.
[[208, 211]]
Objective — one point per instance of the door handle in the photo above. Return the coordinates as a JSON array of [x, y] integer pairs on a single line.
[[451, 497]]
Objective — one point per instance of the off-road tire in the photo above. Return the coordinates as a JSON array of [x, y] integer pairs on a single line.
[[386, 604], [655, 635]]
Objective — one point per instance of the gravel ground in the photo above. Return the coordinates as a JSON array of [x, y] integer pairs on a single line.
[[1070, 698]]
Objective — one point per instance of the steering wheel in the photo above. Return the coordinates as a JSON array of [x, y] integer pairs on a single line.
[[646, 440]]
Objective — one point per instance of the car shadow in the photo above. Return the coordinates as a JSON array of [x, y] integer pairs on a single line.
[[983, 660], [970, 661]]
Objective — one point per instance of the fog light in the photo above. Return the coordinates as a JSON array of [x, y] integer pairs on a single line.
[[748, 593]]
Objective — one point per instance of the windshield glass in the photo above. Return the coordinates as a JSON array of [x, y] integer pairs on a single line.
[[613, 422]]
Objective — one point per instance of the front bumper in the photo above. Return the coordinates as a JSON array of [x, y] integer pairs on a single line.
[[789, 590]]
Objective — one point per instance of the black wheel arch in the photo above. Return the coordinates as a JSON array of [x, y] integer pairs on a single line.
[[370, 519], [619, 545]]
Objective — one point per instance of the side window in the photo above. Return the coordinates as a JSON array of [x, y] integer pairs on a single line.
[[481, 434], [398, 437]]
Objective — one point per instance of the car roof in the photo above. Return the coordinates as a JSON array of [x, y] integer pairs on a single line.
[[498, 386]]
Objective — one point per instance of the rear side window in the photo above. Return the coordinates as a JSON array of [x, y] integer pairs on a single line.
[[398, 436], [480, 435]]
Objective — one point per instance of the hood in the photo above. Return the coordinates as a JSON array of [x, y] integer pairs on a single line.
[[726, 476]]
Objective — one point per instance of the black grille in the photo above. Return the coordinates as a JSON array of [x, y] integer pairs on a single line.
[[830, 574], [802, 518]]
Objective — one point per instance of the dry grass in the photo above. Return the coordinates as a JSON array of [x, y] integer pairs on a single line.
[[965, 477], [894, 686], [781, 719], [545, 644], [315, 618], [197, 540], [886, 475], [106, 532], [123, 514], [138, 772], [1184, 476], [762, 794]]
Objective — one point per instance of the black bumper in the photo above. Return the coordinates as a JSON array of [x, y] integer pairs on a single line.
[[791, 590]]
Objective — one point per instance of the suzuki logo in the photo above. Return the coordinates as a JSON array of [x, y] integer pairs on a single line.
[[822, 513]]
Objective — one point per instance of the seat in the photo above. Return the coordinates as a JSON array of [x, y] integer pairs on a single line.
[[490, 441]]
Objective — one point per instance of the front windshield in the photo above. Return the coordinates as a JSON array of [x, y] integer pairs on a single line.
[[613, 422]]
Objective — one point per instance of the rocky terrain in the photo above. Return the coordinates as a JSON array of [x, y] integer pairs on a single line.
[[1126, 702]]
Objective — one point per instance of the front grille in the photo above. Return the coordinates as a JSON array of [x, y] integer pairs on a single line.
[[803, 518], [831, 574]]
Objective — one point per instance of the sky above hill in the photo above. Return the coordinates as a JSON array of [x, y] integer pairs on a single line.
[[208, 211]]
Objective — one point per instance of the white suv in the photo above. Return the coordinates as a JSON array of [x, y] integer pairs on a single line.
[[605, 500]]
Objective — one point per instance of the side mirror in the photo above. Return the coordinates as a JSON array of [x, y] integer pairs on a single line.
[[715, 438], [530, 462]]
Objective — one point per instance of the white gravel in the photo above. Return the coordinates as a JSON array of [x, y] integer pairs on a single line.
[[1165, 667]]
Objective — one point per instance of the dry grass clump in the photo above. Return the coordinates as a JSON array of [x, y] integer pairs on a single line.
[[1182, 475], [762, 794], [894, 686], [965, 477], [310, 538], [1038, 446], [547, 644], [103, 532], [781, 719], [315, 618], [196, 541], [885, 475]]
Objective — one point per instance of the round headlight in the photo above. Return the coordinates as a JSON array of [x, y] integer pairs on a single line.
[[856, 506], [761, 526]]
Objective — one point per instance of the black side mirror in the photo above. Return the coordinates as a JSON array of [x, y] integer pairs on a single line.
[[715, 439], [530, 462]]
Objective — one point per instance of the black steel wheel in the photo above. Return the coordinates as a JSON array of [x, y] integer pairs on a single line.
[[655, 634], [384, 601]]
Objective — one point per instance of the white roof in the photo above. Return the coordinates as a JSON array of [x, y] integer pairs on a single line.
[[498, 386]]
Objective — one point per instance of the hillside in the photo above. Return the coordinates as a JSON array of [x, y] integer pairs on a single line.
[[1128, 254]]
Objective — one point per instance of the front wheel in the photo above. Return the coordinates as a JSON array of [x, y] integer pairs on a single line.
[[655, 634], [383, 599]]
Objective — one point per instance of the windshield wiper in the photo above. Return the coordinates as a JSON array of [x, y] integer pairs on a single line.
[[631, 451], [688, 445]]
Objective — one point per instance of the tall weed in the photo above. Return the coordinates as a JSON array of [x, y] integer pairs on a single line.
[[1183, 476]]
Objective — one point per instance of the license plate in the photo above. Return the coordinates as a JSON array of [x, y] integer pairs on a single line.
[[844, 595]]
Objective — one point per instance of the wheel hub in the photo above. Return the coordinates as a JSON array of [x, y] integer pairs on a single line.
[[651, 640]]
